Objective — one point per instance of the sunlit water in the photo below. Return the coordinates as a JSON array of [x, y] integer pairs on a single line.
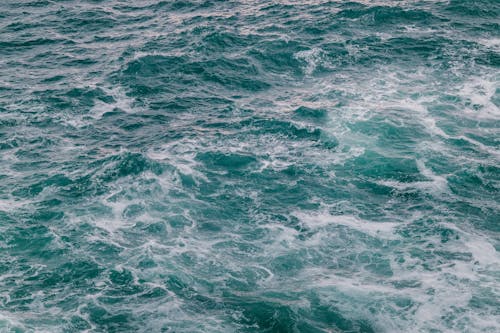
[[249, 166]]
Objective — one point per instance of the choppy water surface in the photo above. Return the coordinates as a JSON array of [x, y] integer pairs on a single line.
[[249, 166]]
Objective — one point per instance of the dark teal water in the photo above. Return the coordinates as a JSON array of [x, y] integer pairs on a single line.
[[249, 166]]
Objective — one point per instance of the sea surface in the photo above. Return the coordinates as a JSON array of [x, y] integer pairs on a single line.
[[249, 166]]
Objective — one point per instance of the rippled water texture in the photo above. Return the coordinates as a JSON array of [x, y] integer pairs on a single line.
[[249, 166]]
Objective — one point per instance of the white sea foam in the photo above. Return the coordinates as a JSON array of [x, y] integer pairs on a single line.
[[374, 229], [180, 154], [436, 184], [312, 57]]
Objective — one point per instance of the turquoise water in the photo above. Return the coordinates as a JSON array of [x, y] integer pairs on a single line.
[[249, 166]]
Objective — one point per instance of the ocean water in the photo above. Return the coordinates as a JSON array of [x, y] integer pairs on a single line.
[[249, 166]]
